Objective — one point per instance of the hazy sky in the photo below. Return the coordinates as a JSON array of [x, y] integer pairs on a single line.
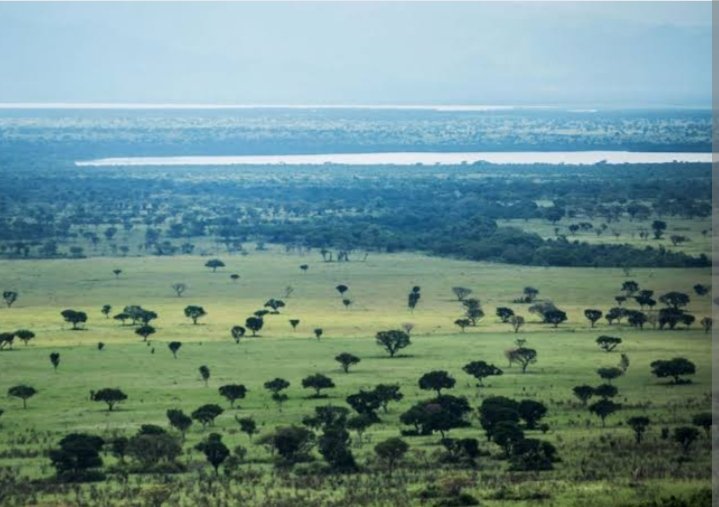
[[645, 53]]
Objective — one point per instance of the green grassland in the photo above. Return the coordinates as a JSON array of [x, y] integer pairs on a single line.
[[599, 467]]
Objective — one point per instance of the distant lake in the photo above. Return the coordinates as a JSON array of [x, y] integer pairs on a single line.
[[413, 158]]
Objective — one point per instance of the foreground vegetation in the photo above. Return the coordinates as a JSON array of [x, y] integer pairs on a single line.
[[592, 463]]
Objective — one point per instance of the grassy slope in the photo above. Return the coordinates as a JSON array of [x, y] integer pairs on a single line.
[[155, 382]]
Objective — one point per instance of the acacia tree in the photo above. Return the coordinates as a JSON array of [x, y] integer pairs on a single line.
[[194, 312], [583, 393], [318, 332], [462, 323], [436, 381], [317, 382], [179, 288], [604, 408], [608, 343], [342, 288], [233, 392], [473, 310], [254, 324], [77, 457], [481, 370], [174, 347], [555, 317], [179, 420], [385, 393], [204, 373], [74, 317], [461, 292], [55, 360], [294, 323], [592, 315], [675, 368], [524, 356], [214, 450], [504, 313], [145, 331], [22, 391], [214, 264], [109, 395], [609, 373], [393, 340], [706, 324], [206, 414], [391, 452], [531, 411], [639, 425], [106, 309], [276, 386], [237, 333], [346, 360], [517, 321], [248, 425], [675, 300], [25, 335], [10, 296]]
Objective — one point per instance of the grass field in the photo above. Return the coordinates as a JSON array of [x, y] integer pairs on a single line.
[[599, 467]]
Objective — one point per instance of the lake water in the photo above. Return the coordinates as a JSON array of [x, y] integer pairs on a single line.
[[412, 158]]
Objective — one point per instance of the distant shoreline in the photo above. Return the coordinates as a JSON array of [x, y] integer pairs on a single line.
[[412, 158]]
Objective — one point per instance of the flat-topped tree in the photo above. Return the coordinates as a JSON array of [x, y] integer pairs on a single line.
[[22, 391], [304, 267], [675, 300], [214, 264], [583, 393], [639, 425], [436, 381], [346, 360], [608, 343], [179, 288], [234, 277], [604, 408], [317, 382], [274, 304], [145, 331], [481, 370], [555, 317], [504, 313], [254, 324], [610, 373], [462, 323], [206, 414], [194, 313], [174, 346], [524, 356], [294, 323], [629, 287], [25, 335], [237, 333], [78, 458], [674, 368], [111, 396], [10, 296], [74, 317], [106, 309], [276, 386], [55, 360], [117, 272], [592, 315], [393, 340], [233, 392], [248, 425], [342, 288]]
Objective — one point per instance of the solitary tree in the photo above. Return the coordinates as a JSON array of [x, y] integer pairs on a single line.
[[145, 331], [111, 396], [179, 288], [659, 226], [10, 296], [481, 370], [555, 317], [504, 313], [22, 391], [461, 292], [524, 356], [675, 368], [304, 267], [194, 312], [106, 309], [317, 382], [117, 272], [639, 425], [436, 381], [254, 324], [583, 393], [247, 425], [74, 317], [609, 373], [391, 452], [213, 264], [55, 360], [294, 323], [346, 360], [462, 323], [592, 315], [517, 321], [604, 408], [393, 340], [179, 420], [174, 347], [342, 288], [204, 373], [25, 335], [706, 324], [347, 302], [234, 277], [233, 392], [214, 450], [318, 332], [206, 414], [608, 343], [237, 333]]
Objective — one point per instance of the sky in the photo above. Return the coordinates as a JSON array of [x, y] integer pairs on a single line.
[[566, 53]]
